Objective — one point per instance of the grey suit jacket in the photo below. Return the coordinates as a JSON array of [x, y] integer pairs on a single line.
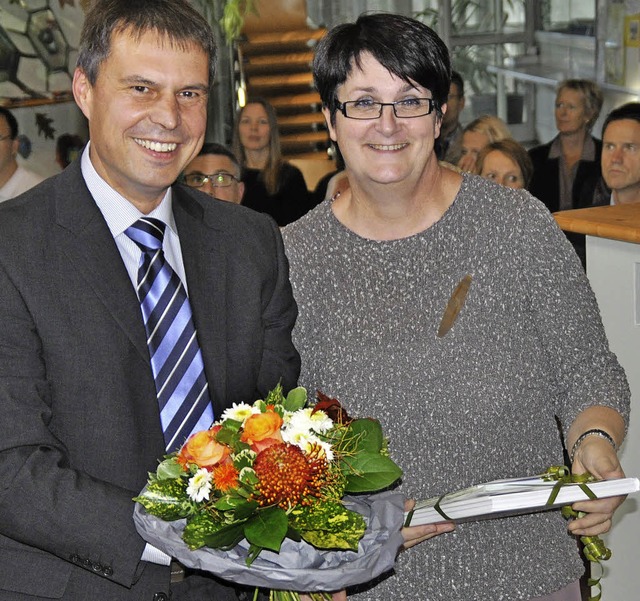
[[80, 427]]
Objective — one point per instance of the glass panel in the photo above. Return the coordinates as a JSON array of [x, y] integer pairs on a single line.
[[482, 16], [569, 16]]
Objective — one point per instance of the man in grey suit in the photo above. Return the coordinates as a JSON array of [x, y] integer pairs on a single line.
[[80, 425]]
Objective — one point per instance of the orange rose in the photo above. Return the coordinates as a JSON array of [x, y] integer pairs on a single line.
[[261, 426], [202, 449]]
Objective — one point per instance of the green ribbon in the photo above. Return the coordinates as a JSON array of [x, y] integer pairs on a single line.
[[593, 548]]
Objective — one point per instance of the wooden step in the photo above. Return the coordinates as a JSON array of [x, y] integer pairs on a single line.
[[304, 140], [319, 154], [278, 63], [312, 120], [278, 40], [296, 101], [264, 83]]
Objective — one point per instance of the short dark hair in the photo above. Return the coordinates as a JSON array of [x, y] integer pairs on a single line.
[[175, 19], [456, 78], [220, 149], [405, 47], [630, 110], [11, 121]]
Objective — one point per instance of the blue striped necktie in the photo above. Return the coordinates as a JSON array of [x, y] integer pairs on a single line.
[[176, 360]]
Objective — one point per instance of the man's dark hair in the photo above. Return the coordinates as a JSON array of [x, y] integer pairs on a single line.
[[456, 78], [177, 20], [219, 149], [215, 148], [405, 47], [631, 110], [11, 121]]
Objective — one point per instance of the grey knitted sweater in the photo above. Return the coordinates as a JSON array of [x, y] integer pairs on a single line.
[[479, 403]]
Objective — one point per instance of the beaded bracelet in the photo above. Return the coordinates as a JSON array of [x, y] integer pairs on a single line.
[[592, 432]]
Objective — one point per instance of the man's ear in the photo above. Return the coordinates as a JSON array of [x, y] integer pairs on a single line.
[[82, 92]]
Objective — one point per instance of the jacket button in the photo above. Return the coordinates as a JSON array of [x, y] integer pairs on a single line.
[[108, 571], [96, 567], [160, 597]]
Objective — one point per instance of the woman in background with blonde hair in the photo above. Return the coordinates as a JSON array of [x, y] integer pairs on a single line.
[[566, 171], [476, 135], [272, 185]]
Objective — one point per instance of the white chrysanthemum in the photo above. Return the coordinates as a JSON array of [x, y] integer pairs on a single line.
[[199, 485], [307, 441], [305, 419], [239, 412]]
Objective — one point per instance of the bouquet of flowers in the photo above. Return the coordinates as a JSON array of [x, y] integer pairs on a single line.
[[271, 478]]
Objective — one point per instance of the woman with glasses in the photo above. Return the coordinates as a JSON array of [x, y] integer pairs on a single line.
[[453, 310], [217, 172], [272, 185]]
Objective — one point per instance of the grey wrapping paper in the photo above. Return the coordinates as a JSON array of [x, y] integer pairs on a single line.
[[298, 566]]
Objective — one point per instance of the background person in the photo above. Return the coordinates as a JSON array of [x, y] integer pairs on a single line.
[[14, 178], [272, 185], [476, 135], [505, 162], [448, 144], [82, 424], [621, 153], [463, 400], [566, 171], [68, 149], [216, 172]]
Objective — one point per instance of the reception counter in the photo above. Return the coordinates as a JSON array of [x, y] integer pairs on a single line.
[[613, 268]]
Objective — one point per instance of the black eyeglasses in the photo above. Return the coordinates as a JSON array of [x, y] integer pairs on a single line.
[[369, 109], [222, 179]]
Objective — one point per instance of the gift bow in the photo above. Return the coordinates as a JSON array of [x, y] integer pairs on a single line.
[[594, 548]]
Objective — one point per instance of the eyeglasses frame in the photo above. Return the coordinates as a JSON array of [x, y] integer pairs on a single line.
[[342, 107]]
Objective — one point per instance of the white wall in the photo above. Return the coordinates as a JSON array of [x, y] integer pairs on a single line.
[[614, 272]]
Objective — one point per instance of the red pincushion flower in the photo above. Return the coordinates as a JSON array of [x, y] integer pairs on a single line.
[[286, 475]]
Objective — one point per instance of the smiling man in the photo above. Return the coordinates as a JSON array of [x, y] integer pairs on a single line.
[[96, 387], [621, 153]]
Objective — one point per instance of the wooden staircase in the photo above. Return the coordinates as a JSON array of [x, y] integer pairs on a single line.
[[277, 55]]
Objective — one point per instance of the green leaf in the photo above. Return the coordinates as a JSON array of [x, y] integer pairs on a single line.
[[368, 434], [296, 399], [329, 525], [169, 469], [166, 499], [267, 528], [226, 537], [198, 528], [370, 472], [245, 510]]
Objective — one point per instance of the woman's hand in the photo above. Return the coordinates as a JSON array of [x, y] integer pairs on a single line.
[[417, 534], [599, 458]]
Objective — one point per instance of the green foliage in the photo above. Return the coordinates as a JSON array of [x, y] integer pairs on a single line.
[[329, 525], [166, 498]]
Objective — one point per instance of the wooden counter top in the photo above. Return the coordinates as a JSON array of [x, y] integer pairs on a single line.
[[618, 222]]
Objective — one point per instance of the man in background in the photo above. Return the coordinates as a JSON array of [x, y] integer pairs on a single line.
[[621, 153], [217, 172], [83, 381], [14, 179], [448, 145]]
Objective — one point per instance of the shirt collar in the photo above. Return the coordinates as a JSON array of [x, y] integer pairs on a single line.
[[118, 212]]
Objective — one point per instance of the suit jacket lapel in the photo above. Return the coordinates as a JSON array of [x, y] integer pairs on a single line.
[[204, 256], [85, 238]]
